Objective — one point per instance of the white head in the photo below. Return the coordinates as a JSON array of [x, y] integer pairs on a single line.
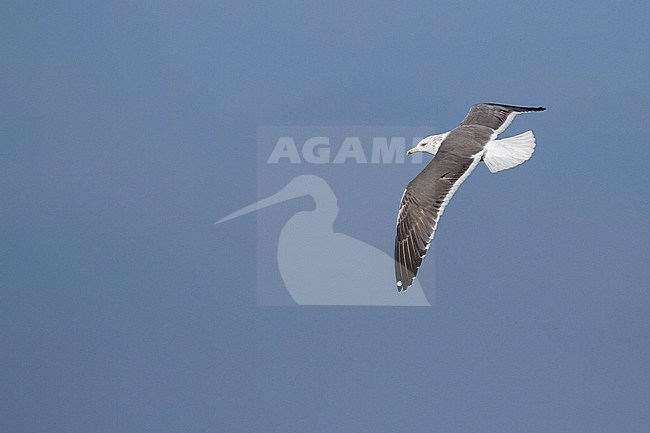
[[429, 144]]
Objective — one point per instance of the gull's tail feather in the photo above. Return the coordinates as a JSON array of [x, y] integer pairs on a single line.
[[509, 152]]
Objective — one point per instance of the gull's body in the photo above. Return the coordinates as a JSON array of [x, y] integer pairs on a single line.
[[456, 154]]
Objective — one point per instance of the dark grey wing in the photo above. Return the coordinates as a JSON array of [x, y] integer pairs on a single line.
[[422, 205], [495, 116]]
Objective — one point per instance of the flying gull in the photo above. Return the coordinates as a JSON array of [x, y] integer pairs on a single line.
[[456, 155]]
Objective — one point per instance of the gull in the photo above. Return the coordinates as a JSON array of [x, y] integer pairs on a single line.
[[456, 155]]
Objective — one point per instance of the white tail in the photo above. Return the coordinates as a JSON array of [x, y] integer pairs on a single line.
[[509, 152]]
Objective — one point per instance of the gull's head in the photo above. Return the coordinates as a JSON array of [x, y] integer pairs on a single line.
[[429, 144]]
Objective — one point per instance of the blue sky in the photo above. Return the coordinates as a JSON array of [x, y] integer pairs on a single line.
[[128, 129]]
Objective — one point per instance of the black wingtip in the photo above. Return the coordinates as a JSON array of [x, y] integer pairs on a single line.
[[517, 107]]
